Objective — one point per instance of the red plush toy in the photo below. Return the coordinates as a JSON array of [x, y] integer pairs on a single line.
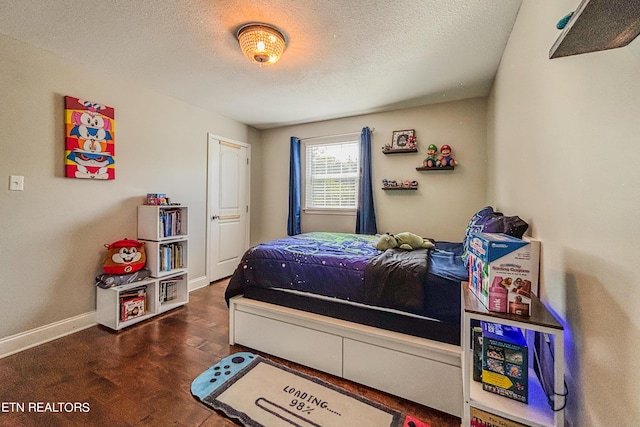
[[124, 256]]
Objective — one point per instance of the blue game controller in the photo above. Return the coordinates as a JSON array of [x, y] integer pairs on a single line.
[[214, 377]]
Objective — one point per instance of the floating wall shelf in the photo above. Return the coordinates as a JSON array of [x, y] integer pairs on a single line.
[[440, 168], [598, 25], [400, 150]]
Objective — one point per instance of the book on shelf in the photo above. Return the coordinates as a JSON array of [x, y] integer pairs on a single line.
[[168, 290], [172, 256], [133, 303], [166, 258], [170, 222], [178, 260]]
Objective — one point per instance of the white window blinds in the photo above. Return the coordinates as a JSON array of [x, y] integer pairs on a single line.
[[332, 175]]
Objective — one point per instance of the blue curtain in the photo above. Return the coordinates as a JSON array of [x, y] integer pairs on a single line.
[[366, 215], [293, 223]]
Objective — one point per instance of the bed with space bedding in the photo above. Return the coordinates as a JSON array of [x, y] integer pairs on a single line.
[[332, 301], [344, 276]]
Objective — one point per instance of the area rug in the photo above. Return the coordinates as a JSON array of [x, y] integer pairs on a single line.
[[258, 392]]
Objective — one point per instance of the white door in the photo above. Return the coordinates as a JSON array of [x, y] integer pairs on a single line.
[[228, 205]]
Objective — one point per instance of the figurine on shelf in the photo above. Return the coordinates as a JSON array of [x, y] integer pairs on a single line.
[[430, 161], [386, 147], [445, 157], [412, 142], [406, 183]]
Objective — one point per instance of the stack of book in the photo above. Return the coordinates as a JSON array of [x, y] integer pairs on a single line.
[[132, 303], [171, 256], [170, 223], [168, 290]]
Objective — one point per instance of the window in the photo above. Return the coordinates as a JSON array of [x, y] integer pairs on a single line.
[[332, 175]]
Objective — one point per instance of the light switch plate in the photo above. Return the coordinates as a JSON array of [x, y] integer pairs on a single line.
[[16, 183]]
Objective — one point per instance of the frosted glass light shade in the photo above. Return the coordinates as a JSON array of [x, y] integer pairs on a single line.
[[261, 43]]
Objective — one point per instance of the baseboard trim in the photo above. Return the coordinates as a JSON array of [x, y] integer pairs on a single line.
[[34, 337], [197, 283]]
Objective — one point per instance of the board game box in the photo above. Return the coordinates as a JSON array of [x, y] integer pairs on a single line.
[[503, 271]]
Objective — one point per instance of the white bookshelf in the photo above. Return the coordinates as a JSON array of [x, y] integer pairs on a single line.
[[108, 312], [167, 257], [180, 296], [537, 412], [164, 231], [163, 222]]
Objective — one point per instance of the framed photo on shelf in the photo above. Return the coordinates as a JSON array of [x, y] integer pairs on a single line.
[[400, 139]]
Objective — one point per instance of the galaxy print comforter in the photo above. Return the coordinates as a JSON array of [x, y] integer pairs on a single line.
[[349, 267]]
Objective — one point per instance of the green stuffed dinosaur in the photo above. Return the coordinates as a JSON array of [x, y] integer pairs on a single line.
[[386, 241], [404, 240]]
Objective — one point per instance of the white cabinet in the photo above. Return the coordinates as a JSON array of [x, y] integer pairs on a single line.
[[160, 295], [316, 349], [109, 308], [537, 412], [164, 230], [421, 370], [167, 257], [172, 291], [162, 222], [410, 376]]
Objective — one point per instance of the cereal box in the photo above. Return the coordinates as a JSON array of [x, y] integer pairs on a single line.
[[503, 271], [505, 361]]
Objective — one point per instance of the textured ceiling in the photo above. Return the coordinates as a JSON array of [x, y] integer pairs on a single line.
[[344, 57]]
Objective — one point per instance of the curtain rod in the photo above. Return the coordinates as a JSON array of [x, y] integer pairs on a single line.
[[334, 136]]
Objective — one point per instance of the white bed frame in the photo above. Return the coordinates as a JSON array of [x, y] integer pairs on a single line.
[[421, 370]]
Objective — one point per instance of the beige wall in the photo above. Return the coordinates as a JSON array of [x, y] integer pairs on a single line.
[[555, 143], [563, 153], [53, 232], [442, 205]]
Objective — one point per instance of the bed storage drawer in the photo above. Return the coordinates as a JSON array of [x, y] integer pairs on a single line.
[[318, 350], [419, 379]]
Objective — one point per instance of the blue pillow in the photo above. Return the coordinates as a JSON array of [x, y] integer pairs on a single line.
[[489, 221]]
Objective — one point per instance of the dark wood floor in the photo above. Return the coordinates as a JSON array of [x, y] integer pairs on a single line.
[[141, 376]]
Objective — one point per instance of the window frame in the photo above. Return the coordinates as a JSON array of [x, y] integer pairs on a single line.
[[318, 210]]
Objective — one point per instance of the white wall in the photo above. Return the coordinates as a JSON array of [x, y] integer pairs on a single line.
[[563, 153], [53, 232], [444, 201]]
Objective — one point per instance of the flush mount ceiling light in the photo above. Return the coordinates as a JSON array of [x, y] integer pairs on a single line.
[[262, 43]]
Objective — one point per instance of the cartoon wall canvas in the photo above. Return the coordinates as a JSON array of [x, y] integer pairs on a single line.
[[90, 140]]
